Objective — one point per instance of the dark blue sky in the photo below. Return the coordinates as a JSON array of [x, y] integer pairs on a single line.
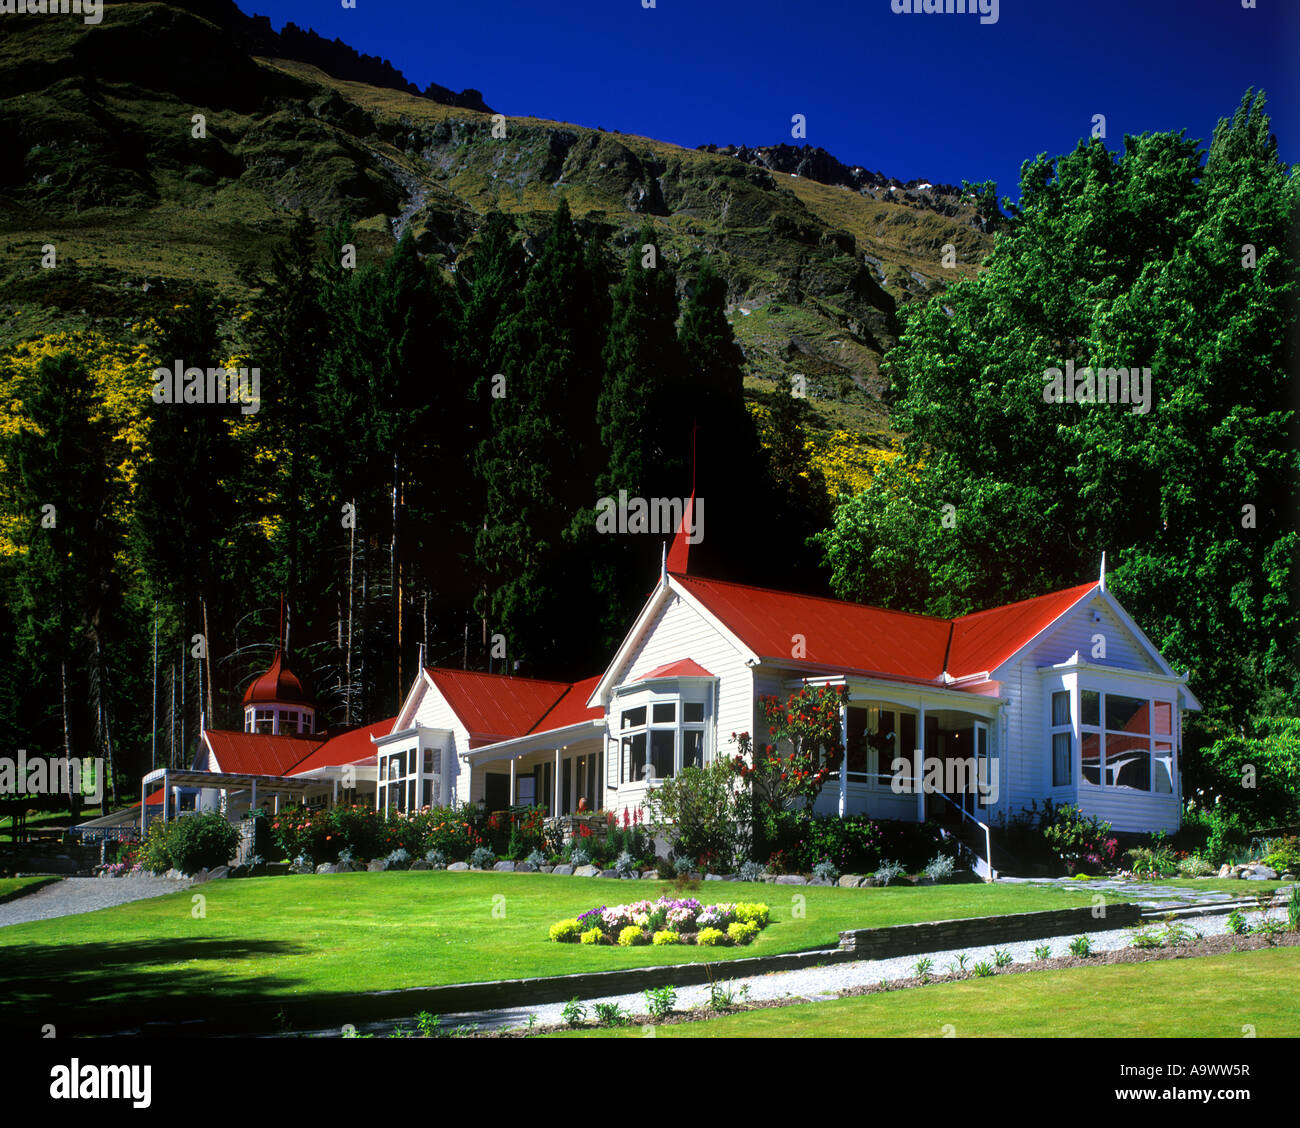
[[934, 96]]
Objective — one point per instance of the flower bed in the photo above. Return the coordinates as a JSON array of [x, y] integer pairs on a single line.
[[665, 921]]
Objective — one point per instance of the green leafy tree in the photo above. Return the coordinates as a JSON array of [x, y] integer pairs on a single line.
[[1128, 261]]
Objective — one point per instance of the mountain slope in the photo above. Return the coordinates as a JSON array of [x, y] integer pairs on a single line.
[[96, 128]]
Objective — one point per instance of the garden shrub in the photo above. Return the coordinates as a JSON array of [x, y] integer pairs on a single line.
[[1283, 854], [155, 851], [566, 931], [624, 865], [592, 936], [826, 870], [1195, 866], [1083, 843], [940, 868], [888, 872], [482, 858], [630, 936], [578, 856], [398, 859], [684, 918], [536, 858], [1272, 751], [434, 857], [750, 871], [751, 912], [742, 932], [710, 937], [666, 936], [1156, 860], [703, 812], [197, 842]]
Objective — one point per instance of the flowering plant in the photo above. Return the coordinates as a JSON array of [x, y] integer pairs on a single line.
[[806, 747], [684, 918]]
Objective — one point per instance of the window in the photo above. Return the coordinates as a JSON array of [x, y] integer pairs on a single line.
[[401, 782], [878, 736], [1126, 742], [1062, 740], [657, 740]]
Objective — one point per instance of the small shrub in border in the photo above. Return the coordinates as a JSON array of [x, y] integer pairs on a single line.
[[630, 936], [666, 936], [710, 937], [940, 868], [592, 936], [566, 931], [826, 870], [750, 871], [482, 858], [888, 872], [742, 932], [432, 855]]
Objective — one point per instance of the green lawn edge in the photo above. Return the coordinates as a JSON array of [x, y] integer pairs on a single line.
[[11, 888], [1239, 994]]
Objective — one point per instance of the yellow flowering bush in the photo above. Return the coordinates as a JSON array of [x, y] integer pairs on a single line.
[[753, 913], [710, 937], [667, 936], [592, 936], [742, 932], [566, 931], [630, 935]]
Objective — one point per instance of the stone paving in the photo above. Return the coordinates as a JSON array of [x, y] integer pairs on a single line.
[[1150, 895]]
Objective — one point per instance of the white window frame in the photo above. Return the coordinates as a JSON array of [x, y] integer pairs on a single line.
[[678, 692]]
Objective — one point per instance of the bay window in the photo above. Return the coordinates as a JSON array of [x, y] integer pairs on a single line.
[[659, 738], [1125, 742]]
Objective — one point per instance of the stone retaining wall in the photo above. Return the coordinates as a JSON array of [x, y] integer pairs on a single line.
[[940, 935]]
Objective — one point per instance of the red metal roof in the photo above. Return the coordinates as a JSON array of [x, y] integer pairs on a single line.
[[835, 634], [985, 639], [679, 550], [852, 637], [493, 706], [571, 709], [279, 685], [352, 747], [258, 753], [686, 668]]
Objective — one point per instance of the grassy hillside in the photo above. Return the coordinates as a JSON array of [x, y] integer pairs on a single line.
[[97, 123]]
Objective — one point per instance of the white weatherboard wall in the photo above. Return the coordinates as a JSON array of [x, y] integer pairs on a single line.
[[1028, 684], [434, 712], [677, 632]]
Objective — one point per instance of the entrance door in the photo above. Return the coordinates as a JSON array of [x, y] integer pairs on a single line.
[[496, 791]]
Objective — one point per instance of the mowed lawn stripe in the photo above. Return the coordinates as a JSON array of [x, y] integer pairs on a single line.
[[259, 938], [1223, 996]]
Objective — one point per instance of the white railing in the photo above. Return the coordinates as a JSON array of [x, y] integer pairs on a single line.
[[988, 839]]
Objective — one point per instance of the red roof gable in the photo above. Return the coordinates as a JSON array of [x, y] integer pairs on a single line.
[[686, 668], [853, 637], [985, 639], [258, 753], [493, 706], [279, 685], [571, 709], [352, 747]]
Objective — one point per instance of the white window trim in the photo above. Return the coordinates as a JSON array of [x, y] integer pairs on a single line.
[[678, 692]]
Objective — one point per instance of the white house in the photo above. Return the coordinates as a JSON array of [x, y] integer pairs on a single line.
[[1058, 697]]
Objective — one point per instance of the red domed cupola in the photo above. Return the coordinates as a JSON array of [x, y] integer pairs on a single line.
[[276, 702]]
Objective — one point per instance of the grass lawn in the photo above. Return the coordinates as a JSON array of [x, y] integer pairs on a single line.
[[14, 887], [1205, 997], [261, 938]]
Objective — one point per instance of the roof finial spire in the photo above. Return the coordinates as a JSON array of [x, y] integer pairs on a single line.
[[663, 563], [1102, 581]]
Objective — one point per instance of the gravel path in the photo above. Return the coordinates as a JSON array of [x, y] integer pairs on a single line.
[[75, 895], [812, 984]]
